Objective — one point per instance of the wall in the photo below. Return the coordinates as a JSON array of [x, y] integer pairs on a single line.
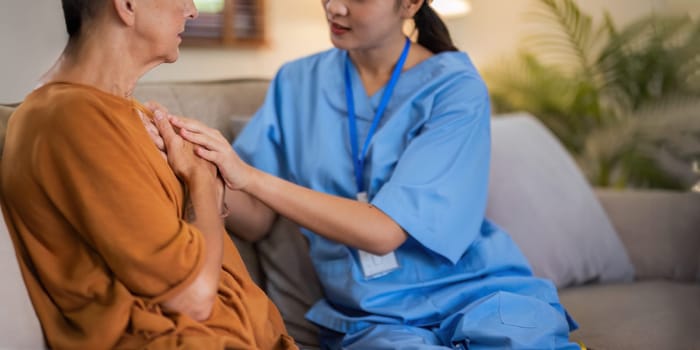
[[495, 27], [295, 28], [27, 53]]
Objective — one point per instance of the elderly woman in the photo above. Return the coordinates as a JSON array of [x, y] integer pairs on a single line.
[[119, 248]]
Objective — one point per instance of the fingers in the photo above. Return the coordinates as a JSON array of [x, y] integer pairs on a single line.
[[159, 143], [178, 122], [154, 106], [153, 133], [196, 132], [206, 154], [214, 158], [165, 129], [193, 125], [204, 140]]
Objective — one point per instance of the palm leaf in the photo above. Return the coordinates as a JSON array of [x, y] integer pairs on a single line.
[[566, 104], [574, 38], [649, 60], [656, 148]]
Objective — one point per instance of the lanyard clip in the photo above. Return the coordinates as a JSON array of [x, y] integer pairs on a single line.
[[362, 197]]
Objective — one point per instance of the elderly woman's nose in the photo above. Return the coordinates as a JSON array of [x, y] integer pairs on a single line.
[[191, 9]]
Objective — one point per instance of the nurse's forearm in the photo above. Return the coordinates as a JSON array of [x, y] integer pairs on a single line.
[[359, 225], [248, 218]]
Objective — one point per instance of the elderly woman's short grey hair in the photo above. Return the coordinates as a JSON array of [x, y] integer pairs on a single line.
[[79, 12]]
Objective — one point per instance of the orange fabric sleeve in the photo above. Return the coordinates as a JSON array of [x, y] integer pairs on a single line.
[[110, 195]]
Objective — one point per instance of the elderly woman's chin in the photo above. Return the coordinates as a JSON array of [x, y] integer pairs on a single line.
[[171, 56]]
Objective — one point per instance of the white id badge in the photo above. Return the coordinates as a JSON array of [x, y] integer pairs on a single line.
[[375, 266]]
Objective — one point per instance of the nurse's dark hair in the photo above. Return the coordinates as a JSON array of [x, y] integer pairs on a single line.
[[432, 31], [78, 13]]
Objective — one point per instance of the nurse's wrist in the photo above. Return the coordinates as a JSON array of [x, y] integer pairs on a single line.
[[251, 179]]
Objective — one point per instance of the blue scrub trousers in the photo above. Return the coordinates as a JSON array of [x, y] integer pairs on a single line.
[[498, 321]]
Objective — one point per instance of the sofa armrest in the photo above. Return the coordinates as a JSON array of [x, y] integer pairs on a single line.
[[5, 112], [660, 230]]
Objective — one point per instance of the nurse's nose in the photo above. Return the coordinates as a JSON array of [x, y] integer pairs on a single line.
[[335, 8]]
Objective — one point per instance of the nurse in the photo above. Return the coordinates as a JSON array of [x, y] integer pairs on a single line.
[[380, 149]]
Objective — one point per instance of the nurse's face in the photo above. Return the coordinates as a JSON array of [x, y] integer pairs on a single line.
[[159, 24], [365, 24]]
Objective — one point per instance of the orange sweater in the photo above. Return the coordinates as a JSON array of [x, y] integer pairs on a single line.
[[96, 217]]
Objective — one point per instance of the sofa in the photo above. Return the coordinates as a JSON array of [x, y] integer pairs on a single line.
[[626, 262]]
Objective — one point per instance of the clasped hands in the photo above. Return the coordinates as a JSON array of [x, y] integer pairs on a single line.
[[190, 146]]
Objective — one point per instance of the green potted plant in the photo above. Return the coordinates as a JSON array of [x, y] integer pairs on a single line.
[[622, 100]]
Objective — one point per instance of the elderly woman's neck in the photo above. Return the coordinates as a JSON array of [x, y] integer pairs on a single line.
[[104, 65]]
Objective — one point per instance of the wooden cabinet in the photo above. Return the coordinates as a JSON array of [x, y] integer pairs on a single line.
[[232, 23]]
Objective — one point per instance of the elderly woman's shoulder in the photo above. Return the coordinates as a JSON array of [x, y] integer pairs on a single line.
[[57, 106]]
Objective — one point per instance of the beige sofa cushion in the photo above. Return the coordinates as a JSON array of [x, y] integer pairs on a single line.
[[661, 230], [541, 198], [641, 315], [5, 112]]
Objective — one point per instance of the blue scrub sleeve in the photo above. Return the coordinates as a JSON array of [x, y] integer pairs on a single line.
[[260, 142], [438, 190]]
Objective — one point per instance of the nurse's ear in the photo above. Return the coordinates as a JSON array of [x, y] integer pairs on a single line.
[[125, 11], [409, 8]]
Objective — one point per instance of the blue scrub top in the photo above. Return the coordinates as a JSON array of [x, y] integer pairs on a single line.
[[427, 168]]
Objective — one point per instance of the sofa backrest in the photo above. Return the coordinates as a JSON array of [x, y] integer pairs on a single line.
[[219, 104]]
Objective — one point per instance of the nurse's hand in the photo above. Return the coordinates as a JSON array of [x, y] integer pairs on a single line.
[[214, 147]]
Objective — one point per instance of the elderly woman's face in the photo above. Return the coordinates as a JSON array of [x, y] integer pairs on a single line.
[[160, 23]]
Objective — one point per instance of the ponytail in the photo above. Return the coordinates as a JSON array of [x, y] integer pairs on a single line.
[[432, 31]]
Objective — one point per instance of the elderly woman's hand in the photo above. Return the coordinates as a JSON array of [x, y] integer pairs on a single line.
[[150, 126], [155, 135], [214, 147], [180, 153]]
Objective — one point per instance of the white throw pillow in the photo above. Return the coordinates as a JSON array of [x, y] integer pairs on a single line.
[[19, 325], [540, 197]]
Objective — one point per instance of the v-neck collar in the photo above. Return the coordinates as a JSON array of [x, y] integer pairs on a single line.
[[410, 80]]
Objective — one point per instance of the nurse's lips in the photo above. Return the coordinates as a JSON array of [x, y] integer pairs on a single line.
[[337, 29]]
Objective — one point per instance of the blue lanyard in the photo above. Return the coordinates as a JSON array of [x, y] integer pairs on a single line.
[[359, 158]]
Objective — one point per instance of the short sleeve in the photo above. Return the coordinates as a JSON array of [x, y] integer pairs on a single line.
[[116, 201], [438, 190], [260, 142]]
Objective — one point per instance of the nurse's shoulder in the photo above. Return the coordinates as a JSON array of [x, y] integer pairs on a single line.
[[326, 64], [456, 83], [457, 68]]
